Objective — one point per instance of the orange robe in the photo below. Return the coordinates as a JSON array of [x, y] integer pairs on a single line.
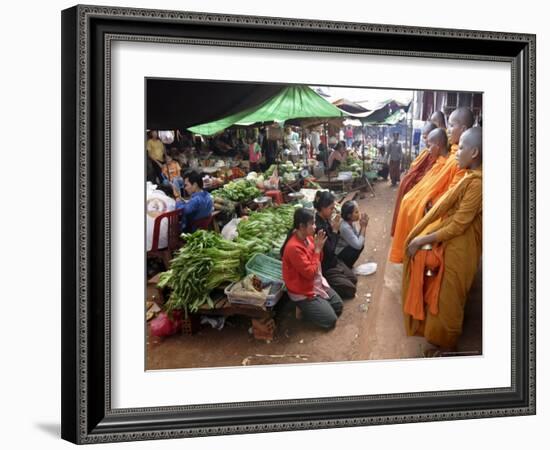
[[443, 174], [424, 163], [433, 307], [424, 153]]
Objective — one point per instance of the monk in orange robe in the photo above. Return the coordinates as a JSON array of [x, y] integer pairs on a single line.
[[424, 163], [438, 119], [443, 254], [426, 129], [444, 174]]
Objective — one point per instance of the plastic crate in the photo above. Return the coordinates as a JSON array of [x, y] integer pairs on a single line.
[[265, 267], [276, 293], [275, 254]]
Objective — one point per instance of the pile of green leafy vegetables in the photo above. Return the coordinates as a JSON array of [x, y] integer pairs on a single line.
[[207, 260], [238, 191], [267, 228]]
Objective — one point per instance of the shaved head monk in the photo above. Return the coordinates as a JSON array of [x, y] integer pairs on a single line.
[[428, 126], [437, 146], [426, 129], [437, 142], [459, 121], [438, 119], [443, 175], [443, 254]]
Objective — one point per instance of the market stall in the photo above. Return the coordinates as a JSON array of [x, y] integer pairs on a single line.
[[237, 272]]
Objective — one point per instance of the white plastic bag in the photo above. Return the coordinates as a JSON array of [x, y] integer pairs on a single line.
[[229, 231], [157, 203], [365, 269], [166, 136]]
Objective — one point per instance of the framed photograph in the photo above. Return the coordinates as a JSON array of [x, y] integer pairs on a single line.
[[202, 154]]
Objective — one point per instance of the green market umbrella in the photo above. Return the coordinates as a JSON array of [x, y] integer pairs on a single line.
[[292, 102]]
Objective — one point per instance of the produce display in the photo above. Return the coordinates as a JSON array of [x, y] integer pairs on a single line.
[[309, 183], [285, 168], [351, 165], [205, 261], [208, 261], [251, 286], [224, 205], [267, 228], [238, 191], [252, 291]]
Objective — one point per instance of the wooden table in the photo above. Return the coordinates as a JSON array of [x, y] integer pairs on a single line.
[[263, 325]]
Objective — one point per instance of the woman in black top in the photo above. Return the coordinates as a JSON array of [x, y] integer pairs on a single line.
[[340, 277]]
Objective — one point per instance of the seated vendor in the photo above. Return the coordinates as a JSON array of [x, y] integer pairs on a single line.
[[199, 206], [337, 156]]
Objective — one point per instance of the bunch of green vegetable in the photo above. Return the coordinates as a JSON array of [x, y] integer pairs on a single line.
[[238, 191], [284, 168], [310, 184], [270, 170], [266, 229], [207, 260], [224, 205], [351, 165], [202, 264]]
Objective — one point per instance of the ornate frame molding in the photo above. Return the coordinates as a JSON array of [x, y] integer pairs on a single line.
[[80, 424]]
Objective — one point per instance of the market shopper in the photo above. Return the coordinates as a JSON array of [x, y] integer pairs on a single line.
[[395, 154], [448, 242], [172, 171], [315, 138], [349, 136], [382, 163], [155, 147], [199, 206], [339, 276], [301, 259], [292, 139], [254, 155], [351, 241]]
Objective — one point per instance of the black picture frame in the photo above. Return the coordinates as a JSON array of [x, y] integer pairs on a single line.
[[87, 32]]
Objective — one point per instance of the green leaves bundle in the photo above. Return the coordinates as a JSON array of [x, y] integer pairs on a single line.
[[206, 261], [238, 191]]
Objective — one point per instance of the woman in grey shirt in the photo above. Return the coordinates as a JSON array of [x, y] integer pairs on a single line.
[[351, 241]]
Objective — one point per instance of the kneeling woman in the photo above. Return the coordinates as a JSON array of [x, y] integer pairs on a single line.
[[351, 241], [340, 277], [302, 255]]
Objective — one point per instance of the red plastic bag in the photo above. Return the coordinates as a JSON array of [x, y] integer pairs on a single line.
[[163, 325]]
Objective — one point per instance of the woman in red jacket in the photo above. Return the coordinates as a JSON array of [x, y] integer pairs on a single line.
[[302, 255]]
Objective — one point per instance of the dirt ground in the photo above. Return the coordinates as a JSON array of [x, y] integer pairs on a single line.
[[370, 327]]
